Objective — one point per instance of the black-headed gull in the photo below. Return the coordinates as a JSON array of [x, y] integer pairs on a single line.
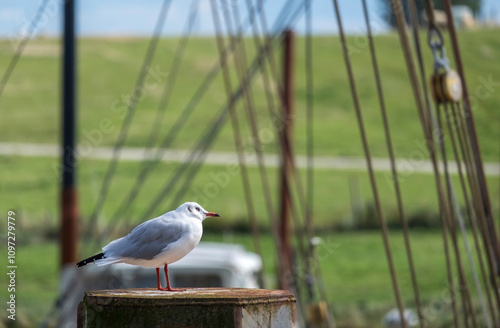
[[157, 242]]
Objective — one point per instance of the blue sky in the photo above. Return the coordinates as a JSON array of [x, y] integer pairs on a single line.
[[134, 17]]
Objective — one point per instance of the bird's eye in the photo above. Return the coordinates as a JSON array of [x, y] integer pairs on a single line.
[[197, 208]]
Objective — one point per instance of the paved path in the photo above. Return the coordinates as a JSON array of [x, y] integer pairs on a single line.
[[407, 166]]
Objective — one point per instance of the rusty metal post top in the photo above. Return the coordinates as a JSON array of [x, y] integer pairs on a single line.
[[193, 308], [236, 296]]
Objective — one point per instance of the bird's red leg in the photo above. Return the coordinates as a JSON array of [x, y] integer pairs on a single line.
[[168, 282], [158, 283], [166, 275]]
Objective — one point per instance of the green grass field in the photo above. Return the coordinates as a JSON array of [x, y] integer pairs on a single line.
[[353, 266], [355, 273], [31, 190], [107, 72], [108, 69]]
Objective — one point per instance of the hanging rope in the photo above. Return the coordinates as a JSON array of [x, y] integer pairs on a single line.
[[287, 16], [20, 48], [141, 79], [150, 157], [470, 214], [236, 133], [469, 164], [274, 114], [469, 119], [466, 155], [373, 182], [167, 141], [395, 177], [309, 203], [424, 115], [436, 42], [241, 62], [279, 120], [172, 78], [464, 289], [447, 89], [196, 157]]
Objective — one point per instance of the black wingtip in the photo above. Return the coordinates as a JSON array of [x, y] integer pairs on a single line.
[[90, 260]]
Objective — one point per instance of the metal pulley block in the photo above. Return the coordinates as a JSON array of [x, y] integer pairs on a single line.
[[446, 86]]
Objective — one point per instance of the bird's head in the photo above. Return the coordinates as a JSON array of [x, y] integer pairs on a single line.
[[195, 210]]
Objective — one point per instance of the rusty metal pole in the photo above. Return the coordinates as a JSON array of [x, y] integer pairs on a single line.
[[286, 165], [69, 208]]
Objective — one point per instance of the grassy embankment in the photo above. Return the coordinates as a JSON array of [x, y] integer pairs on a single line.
[[355, 275]]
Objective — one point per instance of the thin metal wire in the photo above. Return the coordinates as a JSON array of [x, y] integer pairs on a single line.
[[146, 165], [289, 153], [20, 48], [152, 46], [274, 116], [247, 95], [199, 153], [199, 158], [420, 58], [240, 64], [399, 199], [278, 119], [167, 141], [423, 77], [469, 165], [151, 157], [264, 71], [287, 19], [263, 67], [430, 117], [172, 78], [295, 13], [271, 58], [195, 155], [309, 206], [237, 137], [423, 111], [464, 288], [474, 143], [470, 214], [373, 182]]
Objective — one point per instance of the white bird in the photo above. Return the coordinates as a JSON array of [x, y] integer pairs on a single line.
[[157, 242]]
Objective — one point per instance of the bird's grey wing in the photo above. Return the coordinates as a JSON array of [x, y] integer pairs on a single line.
[[147, 240]]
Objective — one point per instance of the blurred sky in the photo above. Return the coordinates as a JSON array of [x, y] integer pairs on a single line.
[[135, 17]]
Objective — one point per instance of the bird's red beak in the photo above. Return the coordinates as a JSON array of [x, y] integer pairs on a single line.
[[212, 214]]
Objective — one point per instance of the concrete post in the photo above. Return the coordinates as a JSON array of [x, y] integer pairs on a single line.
[[195, 307]]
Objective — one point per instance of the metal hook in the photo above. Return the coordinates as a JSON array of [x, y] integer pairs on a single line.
[[435, 38]]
